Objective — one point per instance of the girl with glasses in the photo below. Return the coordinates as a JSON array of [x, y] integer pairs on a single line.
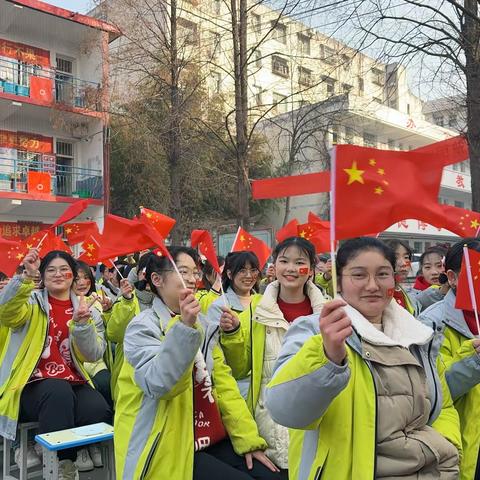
[[359, 386], [252, 340], [52, 333], [179, 413], [460, 352]]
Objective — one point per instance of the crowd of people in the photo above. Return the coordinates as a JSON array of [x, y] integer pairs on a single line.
[[260, 373]]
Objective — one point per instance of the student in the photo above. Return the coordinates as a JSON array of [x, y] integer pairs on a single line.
[[460, 352], [252, 340], [359, 385], [52, 333], [209, 285], [179, 412]]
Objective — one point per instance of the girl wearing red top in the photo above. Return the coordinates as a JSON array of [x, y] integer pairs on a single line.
[[58, 394]]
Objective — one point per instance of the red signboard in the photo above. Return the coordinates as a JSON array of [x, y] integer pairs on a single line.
[[41, 89], [24, 53], [39, 183], [20, 230], [30, 142]]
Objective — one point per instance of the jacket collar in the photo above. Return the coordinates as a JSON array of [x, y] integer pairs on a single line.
[[399, 327], [42, 298], [268, 310], [454, 316], [162, 312], [234, 300]]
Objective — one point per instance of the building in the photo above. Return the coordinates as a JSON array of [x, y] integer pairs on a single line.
[[54, 97]]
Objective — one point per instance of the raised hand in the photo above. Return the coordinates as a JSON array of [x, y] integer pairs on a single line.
[[189, 307], [229, 321], [31, 263], [126, 288], [335, 327], [82, 314]]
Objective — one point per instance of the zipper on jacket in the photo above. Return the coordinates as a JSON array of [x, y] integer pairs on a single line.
[[320, 471], [434, 405], [251, 360], [148, 461], [205, 349], [376, 420]]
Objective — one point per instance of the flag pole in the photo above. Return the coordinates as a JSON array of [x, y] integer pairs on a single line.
[[118, 271], [42, 240], [224, 297], [471, 287], [333, 171], [235, 239], [478, 232]]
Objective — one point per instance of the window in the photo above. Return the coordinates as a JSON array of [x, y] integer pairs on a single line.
[[400, 146], [369, 140], [279, 32], [329, 86], [215, 45], [334, 136], [305, 76], [280, 104], [377, 100], [327, 54], [349, 135], [217, 7], [64, 90], [417, 247], [345, 61], [280, 66], [188, 31], [459, 204], [216, 82], [378, 76], [438, 119], [452, 121], [408, 109], [346, 88], [258, 93], [65, 158], [258, 58], [361, 86], [303, 44], [256, 22], [391, 144]]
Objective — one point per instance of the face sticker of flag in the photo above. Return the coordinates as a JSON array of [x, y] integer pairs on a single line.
[[303, 271]]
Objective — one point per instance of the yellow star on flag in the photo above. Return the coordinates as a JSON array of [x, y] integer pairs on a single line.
[[242, 238], [474, 223], [68, 230], [378, 190], [354, 174], [19, 256], [302, 233], [381, 171], [91, 246], [372, 162]]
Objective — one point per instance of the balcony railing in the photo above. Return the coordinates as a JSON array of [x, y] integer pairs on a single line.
[[67, 181], [64, 89]]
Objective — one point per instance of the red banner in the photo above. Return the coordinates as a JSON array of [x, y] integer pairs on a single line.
[[41, 89], [24, 53], [30, 142], [20, 230], [39, 183]]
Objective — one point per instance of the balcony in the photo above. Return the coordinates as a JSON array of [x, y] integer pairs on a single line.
[[48, 87], [67, 181]]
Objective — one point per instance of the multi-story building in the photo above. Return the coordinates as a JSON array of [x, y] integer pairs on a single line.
[[53, 114], [293, 68]]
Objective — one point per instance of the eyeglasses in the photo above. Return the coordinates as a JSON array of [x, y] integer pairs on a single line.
[[185, 273], [361, 279], [64, 271], [252, 271]]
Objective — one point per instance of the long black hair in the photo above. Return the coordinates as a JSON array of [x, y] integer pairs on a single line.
[[83, 267], [50, 256], [234, 262], [302, 244]]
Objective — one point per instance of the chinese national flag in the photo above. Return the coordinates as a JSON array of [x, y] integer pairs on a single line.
[[460, 221], [203, 240], [287, 231], [376, 188], [39, 183], [463, 300], [12, 254], [41, 89], [77, 232], [91, 250], [49, 243], [160, 222], [317, 233], [244, 242], [74, 210], [312, 218]]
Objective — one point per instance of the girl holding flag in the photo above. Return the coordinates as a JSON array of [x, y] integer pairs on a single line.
[[252, 340], [179, 413], [358, 386], [52, 333], [460, 352]]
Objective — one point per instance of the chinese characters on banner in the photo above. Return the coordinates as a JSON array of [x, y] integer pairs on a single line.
[[30, 142], [460, 181], [20, 230], [24, 53]]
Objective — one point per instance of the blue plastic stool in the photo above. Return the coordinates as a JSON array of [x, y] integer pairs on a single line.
[[52, 442]]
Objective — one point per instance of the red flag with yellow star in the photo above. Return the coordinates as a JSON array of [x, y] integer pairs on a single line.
[[244, 242], [317, 233], [203, 240], [12, 254], [161, 223], [77, 232], [49, 241], [91, 250], [376, 188], [289, 230], [463, 300]]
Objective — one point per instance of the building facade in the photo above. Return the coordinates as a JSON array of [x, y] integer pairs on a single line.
[[53, 114]]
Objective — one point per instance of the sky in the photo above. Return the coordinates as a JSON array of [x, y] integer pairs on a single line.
[[81, 6]]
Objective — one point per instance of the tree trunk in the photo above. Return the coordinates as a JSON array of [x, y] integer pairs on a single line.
[[239, 36], [471, 38], [174, 145]]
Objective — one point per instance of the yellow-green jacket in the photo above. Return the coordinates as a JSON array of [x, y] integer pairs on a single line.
[[154, 420], [25, 312], [462, 365], [331, 409], [206, 298], [122, 313]]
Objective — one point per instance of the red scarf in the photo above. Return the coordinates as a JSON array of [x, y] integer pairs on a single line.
[[470, 321], [421, 283]]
